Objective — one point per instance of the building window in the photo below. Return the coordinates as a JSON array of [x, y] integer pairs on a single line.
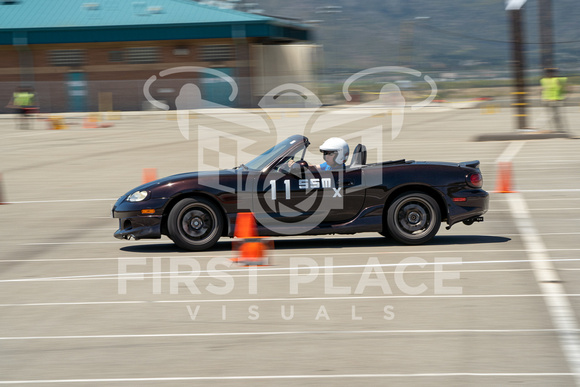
[[116, 56], [181, 51], [67, 57], [217, 53], [143, 55]]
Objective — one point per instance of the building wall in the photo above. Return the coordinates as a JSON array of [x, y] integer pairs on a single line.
[[107, 68], [275, 65]]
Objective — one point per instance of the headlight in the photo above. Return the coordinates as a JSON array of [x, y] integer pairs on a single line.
[[138, 196]]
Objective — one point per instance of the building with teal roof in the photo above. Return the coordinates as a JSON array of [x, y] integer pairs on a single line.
[[83, 55]]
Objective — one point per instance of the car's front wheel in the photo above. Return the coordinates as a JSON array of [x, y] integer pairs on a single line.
[[413, 218], [195, 224]]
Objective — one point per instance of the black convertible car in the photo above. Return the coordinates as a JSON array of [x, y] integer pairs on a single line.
[[406, 200]]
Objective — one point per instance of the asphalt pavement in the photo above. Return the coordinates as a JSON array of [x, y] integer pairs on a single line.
[[495, 303]]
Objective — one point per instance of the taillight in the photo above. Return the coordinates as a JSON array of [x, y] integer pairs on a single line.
[[475, 180]]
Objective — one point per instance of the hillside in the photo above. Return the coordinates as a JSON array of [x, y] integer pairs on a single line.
[[448, 37]]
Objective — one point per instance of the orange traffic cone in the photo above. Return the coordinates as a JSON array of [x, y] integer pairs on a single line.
[[149, 174], [56, 123], [91, 122], [1, 192], [245, 225], [504, 178], [251, 249]]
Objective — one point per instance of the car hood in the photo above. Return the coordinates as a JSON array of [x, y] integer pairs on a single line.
[[180, 177]]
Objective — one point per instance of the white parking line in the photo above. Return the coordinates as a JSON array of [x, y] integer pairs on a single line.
[[560, 310], [62, 201], [496, 200], [550, 190], [169, 275], [280, 333], [283, 299], [29, 134], [544, 209], [88, 243], [213, 273], [558, 303], [295, 377], [548, 234], [278, 254], [510, 152]]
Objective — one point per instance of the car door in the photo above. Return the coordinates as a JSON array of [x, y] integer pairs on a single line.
[[347, 195], [301, 200], [281, 196]]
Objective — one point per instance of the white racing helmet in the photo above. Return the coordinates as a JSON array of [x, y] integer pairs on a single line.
[[338, 145]]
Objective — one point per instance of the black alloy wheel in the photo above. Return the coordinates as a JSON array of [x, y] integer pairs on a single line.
[[413, 218], [195, 224]]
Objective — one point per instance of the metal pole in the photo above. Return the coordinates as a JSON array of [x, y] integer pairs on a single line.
[[518, 68]]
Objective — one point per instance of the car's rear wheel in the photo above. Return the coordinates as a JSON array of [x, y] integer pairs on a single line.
[[413, 218], [195, 224]]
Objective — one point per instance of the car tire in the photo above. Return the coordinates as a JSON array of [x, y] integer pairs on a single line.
[[195, 224], [413, 218]]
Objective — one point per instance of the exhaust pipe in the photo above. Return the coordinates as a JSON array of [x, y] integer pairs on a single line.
[[469, 222]]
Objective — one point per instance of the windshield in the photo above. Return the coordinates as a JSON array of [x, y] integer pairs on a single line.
[[294, 144]]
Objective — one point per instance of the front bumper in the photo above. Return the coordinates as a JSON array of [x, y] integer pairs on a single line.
[[135, 225], [139, 227]]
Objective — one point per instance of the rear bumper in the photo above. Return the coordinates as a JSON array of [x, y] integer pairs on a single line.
[[475, 204]]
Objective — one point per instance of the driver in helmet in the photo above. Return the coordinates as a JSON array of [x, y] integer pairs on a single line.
[[335, 153]]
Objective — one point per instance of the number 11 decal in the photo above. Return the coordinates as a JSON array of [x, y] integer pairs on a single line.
[[273, 189]]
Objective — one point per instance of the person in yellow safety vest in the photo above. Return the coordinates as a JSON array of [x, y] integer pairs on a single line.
[[23, 101], [553, 95]]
